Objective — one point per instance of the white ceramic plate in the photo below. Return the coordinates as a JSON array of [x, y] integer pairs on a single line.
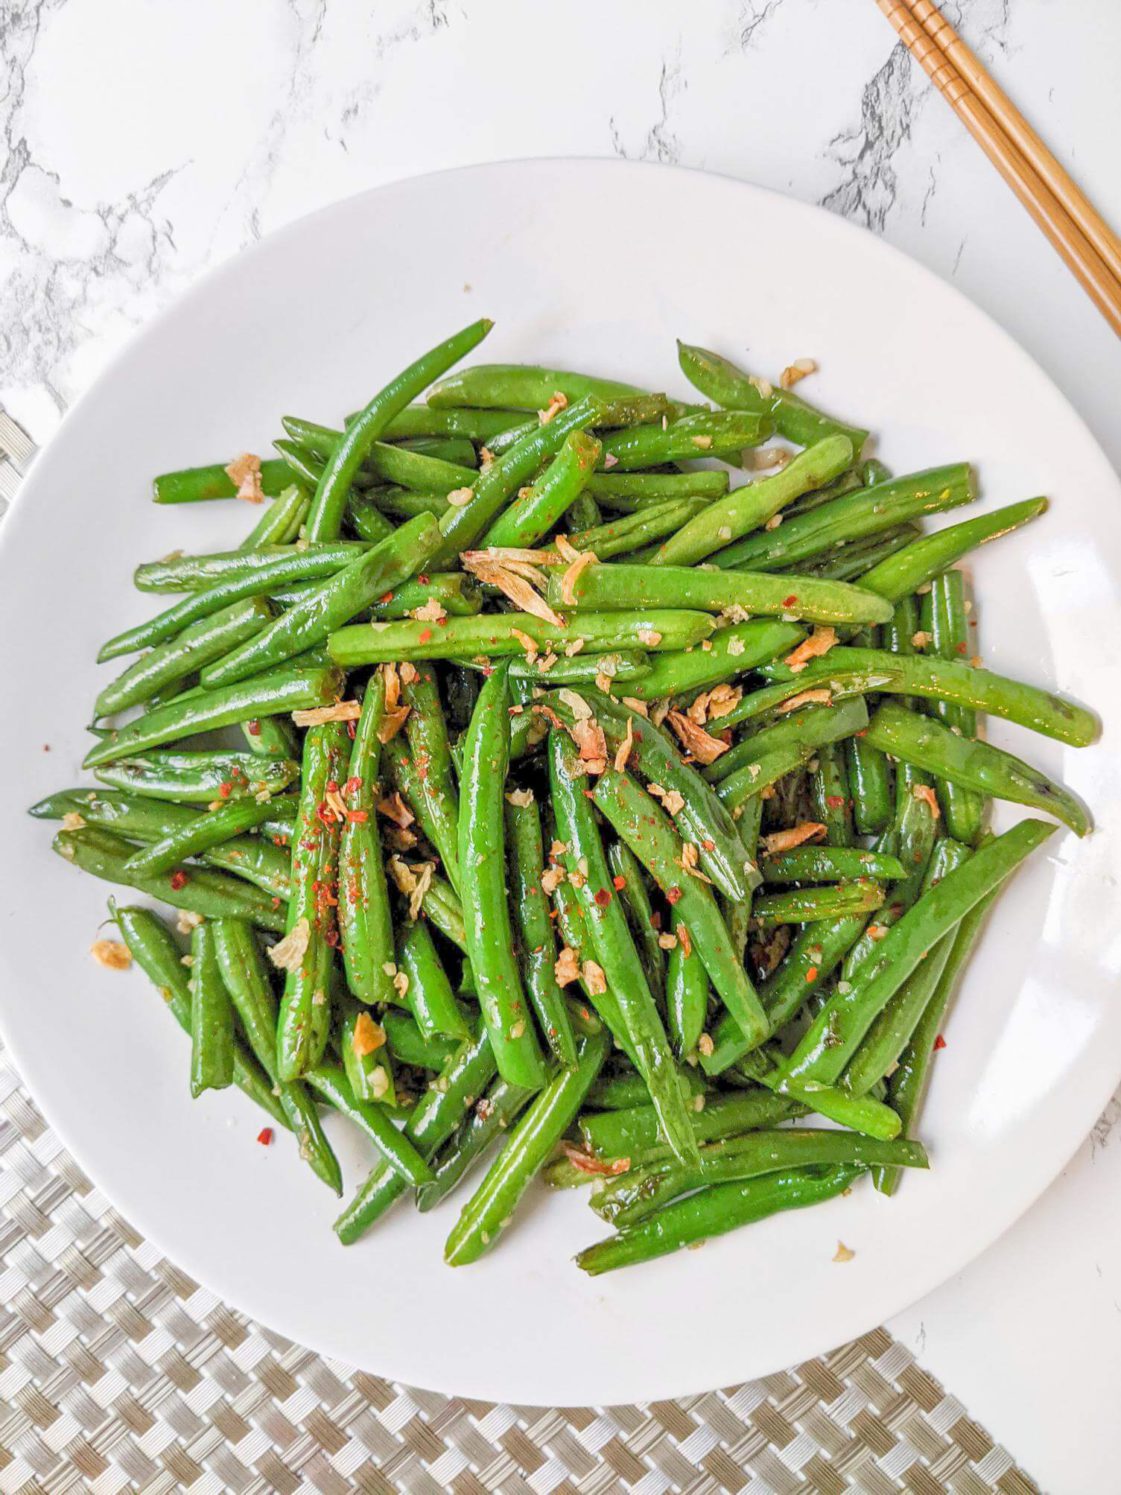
[[592, 265]]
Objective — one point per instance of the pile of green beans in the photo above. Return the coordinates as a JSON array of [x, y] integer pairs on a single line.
[[589, 813]]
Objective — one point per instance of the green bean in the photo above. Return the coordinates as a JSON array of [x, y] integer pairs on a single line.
[[429, 993], [618, 1092], [747, 508], [325, 518], [853, 562], [615, 953], [859, 1113], [929, 745], [428, 420], [809, 905], [702, 817], [171, 662], [366, 512], [527, 1147], [496, 634], [197, 889], [281, 522], [868, 511], [271, 737], [709, 433], [886, 1039], [630, 490], [620, 667], [308, 471], [200, 778], [273, 694], [482, 862], [829, 864], [463, 524], [464, 1077], [572, 926], [158, 956], [202, 832], [526, 848], [528, 387], [427, 735], [643, 922], [733, 651], [364, 919], [633, 534], [330, 604], [332, 1084], [538, 509], [794, 418], [838, 1028], [829, 792], [714, 1211], [813, 956], [409, 1045], [626, 587], [907, 1086], [632, 1196], [869, 786], [421, 471], [369, 1072], [192, 485], [246, 980], [964, 809], [299, 562], [846, 671], [845, 482], [212, 1017], [491, 1115], [917, 564], [811, 726], [456, 450], [651, 837], [687, 993], [311, 930], [634, 1133]]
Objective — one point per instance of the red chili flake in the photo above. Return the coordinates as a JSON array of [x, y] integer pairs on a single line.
[[835, 801], [46, 747], [673, 895], [708, 845], [352, 785], [960, 647], [264, 1136], [425, 635], [603, 898], [254, 730], [225, 790], [811, 973], [789, 601], [423, 578], [357, 817], [619, 883], [939, 1043], [324, 813], [331, 938], [656, 919], [588, 794], [177, 880], [332, 786], [351, 730], [386, 597]]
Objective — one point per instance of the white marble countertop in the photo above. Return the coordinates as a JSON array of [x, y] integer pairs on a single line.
[[146, 140]]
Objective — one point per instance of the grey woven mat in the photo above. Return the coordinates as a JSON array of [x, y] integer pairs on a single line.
[[118, 1372]]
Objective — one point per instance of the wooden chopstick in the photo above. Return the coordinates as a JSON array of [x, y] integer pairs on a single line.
[[1016, 164]]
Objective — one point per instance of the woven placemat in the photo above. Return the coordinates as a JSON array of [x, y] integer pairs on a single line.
[[118, 1372]]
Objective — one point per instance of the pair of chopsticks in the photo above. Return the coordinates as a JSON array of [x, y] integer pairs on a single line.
[[1090, 248]]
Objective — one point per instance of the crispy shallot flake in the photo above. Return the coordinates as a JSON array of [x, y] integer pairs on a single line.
[[773, 522], [822, 697], [843, 1252], [689, 858], [288, 953], [521, 799], [510, 579], [245, 473], [551, 879], [335, 803], [623, 751], [460, 496], [659, 710], [634, 704], [412, 881], [574, 648], [392, 723], [187, 920], [704, 443], [368, 1036], [705, 1044], [921, 639], [575, 703], [714, 703], [111, 954], [594, 979], [686, 940], [558, 403], [566, 968], [695, 740], [764, 457], [315, 716], [401, 984], [928, 797], [546, 663], [760, 385], [584, 559], [527, 643], [394, 808], [794, 835], [586, 1162], [736, 646], [796, 371], [72, 821], [650, 637], [430, 612], [667, 942], [820, 641], [610, 461], [591, 745], [672, 799]]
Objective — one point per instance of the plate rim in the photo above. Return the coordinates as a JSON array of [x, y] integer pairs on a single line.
[[655, 1384]]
